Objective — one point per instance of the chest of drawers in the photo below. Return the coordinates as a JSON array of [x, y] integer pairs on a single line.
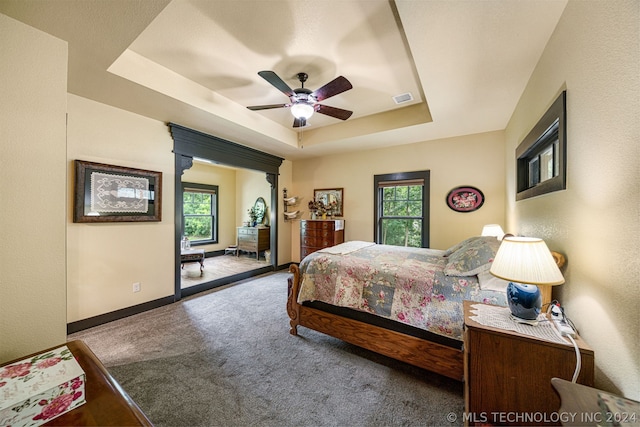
[[253, 239], [318, 234]]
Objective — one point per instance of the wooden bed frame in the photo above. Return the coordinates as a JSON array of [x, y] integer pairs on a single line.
[[434, 357]]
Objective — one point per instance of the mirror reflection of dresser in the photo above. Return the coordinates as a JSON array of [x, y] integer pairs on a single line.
[[258, 238], [253, 239]]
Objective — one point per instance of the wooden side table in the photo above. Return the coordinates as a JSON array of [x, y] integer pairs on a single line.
[[508, 375]]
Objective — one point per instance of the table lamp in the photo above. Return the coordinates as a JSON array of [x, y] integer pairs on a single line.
[[493, 230], [525, 262]]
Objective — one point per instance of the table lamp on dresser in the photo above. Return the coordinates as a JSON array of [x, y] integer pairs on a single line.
[[525, 262]]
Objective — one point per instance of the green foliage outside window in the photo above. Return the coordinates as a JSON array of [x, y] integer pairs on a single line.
[[402, 216], [198, 216]]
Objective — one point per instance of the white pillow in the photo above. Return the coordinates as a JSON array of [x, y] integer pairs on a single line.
[[489, 282]]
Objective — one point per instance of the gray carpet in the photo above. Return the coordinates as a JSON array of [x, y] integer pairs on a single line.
[[226, 358]]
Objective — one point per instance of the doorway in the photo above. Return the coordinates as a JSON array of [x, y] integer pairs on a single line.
[[191, 147], [216, 202]]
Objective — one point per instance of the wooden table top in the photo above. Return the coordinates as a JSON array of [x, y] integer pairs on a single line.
[[107, 404]]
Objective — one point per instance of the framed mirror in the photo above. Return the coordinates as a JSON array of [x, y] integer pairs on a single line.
[[260, 208], [330, 197]]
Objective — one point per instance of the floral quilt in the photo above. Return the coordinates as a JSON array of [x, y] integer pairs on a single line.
[[403, 284]]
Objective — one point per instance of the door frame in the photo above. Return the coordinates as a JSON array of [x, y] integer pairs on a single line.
[[189, 143]]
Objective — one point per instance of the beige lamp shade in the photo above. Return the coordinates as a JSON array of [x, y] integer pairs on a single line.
[[526, 260], [493, 230]]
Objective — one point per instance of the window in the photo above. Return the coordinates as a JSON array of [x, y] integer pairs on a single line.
[[200, 209], [402, 209], [541, 164]]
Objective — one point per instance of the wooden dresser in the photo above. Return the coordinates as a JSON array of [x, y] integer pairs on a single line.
[[253, 239], [316, 234]]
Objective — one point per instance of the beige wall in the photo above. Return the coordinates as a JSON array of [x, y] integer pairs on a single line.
[[251, 185], [33, 86], [476, 160], [594, 54], [105, 259]]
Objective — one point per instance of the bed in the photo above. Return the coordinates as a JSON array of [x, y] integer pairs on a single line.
[[405, 303]]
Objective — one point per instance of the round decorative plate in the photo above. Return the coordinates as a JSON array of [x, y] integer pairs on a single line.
[[465, 199]]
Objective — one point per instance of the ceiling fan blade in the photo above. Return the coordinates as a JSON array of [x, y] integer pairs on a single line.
[[338, 113], [334, 87], [298, 123], [277, 82], [267, 107]]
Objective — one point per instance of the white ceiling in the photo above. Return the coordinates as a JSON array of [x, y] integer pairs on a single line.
[[195, 63]]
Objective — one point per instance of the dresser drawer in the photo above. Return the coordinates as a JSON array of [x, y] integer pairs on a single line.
[[318, 242], [319, 234], [306, 251], [316, 233], [317, 225], [246, 231], [247, 238]]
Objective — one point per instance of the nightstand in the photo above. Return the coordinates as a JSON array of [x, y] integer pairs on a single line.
[[508, 375]]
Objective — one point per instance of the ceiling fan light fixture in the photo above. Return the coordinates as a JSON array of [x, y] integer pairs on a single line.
[[302, 110], [304, 102]]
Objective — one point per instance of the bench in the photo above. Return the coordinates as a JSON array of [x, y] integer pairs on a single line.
[[192, 255]]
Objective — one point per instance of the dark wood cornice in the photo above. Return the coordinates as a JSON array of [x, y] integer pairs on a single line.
[[189, 142]]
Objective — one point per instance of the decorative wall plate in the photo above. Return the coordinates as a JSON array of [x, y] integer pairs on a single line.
[[465, 199]]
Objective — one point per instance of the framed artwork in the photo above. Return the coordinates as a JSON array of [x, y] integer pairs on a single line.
[[332, 197], [107, 193], [465, 199]]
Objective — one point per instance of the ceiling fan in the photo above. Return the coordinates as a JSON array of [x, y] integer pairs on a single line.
[[305, 102]]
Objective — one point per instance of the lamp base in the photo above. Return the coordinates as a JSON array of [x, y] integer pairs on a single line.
[[525, 301], [525, 321]]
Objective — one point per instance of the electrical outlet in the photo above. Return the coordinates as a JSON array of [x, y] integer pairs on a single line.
[[137, 287]]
